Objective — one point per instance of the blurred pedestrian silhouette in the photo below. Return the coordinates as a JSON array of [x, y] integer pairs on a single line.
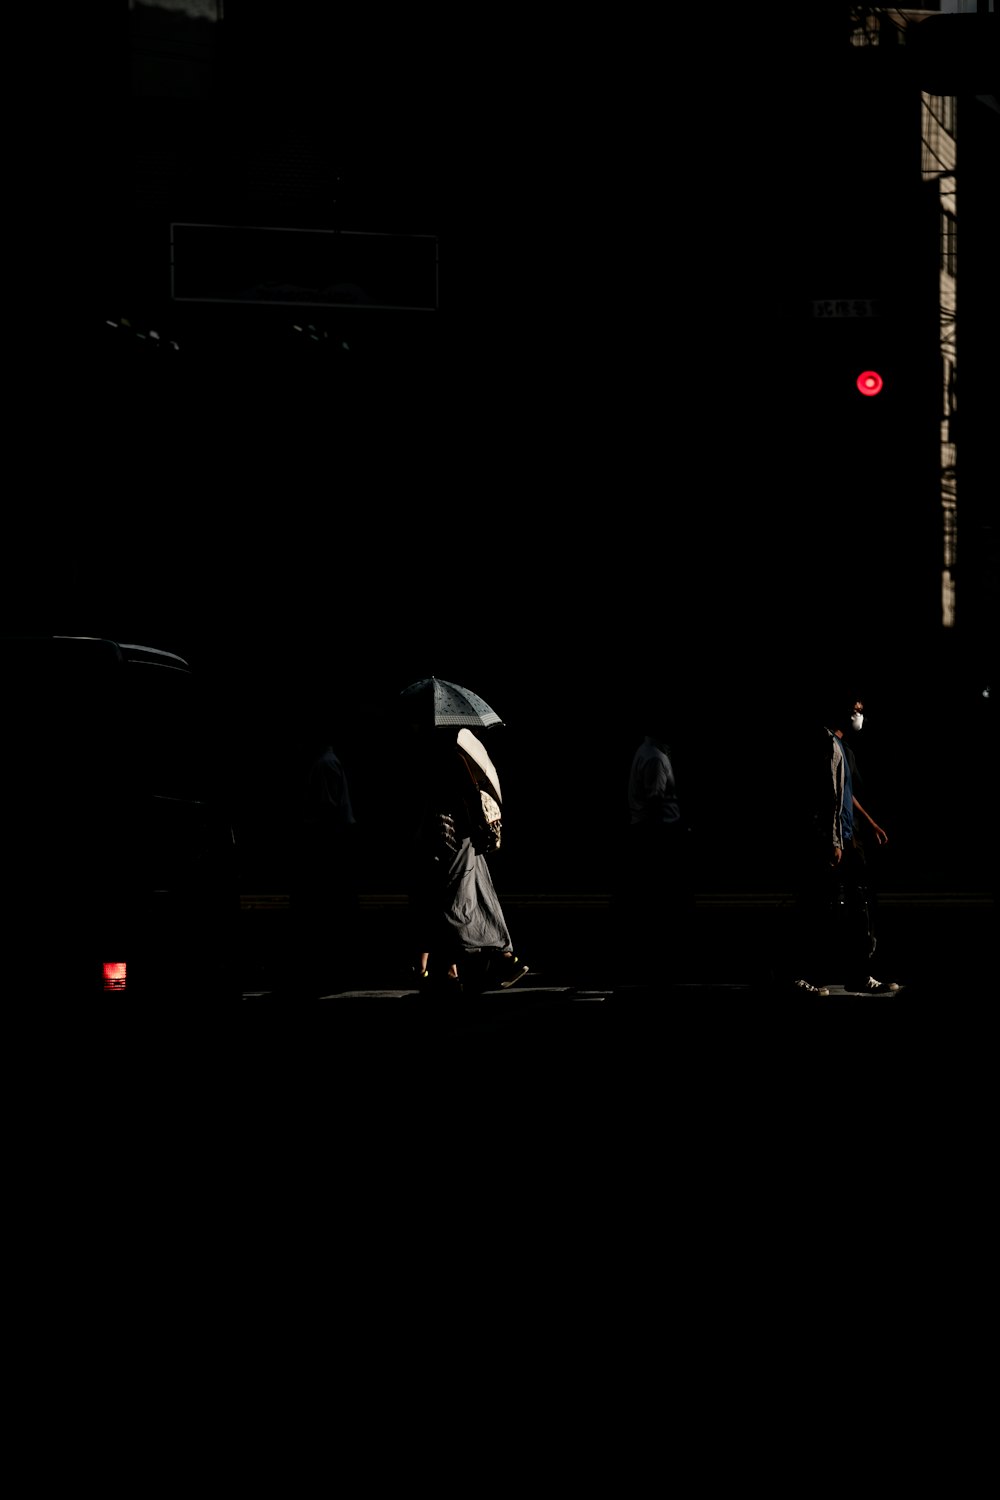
[[324, 884], [459, 934], [655, 894]]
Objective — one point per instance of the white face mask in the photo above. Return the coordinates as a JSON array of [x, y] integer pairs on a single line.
[[856, 721]]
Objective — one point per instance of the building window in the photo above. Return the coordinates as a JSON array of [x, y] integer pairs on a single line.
[[942, 107], [949, 243]]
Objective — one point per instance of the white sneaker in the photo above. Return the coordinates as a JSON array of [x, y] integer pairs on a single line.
[[514, 970], [872, 984], [810, 989]]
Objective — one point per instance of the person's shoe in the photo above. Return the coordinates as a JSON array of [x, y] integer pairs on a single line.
[[806, 988], [875, 986], [511, 970]]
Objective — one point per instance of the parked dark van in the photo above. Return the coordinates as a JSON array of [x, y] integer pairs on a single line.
[[119, 862]]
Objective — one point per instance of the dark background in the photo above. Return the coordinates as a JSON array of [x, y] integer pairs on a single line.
[[619, 465]]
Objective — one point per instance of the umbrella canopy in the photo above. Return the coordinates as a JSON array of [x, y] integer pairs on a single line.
[[446, 705], [481, 768]]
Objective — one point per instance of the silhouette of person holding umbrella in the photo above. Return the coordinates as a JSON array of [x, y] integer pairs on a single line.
[[459, 931]]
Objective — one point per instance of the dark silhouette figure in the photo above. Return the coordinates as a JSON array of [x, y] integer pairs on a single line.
[[324, 894], [856, 893], [832, 938], [811, 811], [654, 893], [459, 933]]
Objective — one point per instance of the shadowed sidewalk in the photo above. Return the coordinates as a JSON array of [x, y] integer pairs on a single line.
[[729, 943]]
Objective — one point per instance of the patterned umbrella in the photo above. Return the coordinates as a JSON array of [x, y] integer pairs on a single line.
[[447, 705]]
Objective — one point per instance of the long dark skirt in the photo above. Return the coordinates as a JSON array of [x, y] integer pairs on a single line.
[[454, 908]]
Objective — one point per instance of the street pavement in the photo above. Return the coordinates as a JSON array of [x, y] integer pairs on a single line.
[[576, 1071], [718, 971]]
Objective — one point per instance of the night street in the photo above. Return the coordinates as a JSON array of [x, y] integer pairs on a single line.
[[603, 389], [499, 691]]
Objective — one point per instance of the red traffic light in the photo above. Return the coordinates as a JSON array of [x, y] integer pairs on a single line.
[[869, 382]]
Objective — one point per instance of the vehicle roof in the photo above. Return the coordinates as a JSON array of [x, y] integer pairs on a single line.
[[123, 650]]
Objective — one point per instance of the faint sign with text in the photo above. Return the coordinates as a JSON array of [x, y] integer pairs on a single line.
[[844, 307]]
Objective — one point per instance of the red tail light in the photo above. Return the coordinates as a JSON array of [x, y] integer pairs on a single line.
[[114, 976], [869, 382]]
